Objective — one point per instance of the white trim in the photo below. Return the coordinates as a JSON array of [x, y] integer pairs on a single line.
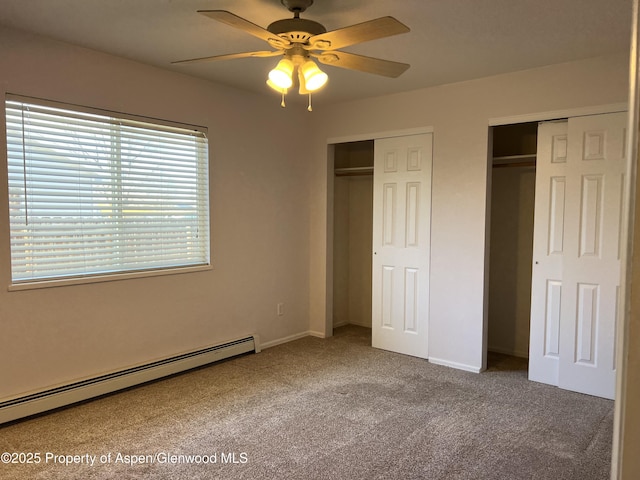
[[256, 343], [373, 136], [507, 351], [65, 282], [456, 365], [363, 325], [291, 338], [557, 114], [287, 339], [620, 417]]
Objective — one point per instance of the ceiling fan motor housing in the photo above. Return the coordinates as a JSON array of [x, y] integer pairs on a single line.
[[296, 29], [297, 6]]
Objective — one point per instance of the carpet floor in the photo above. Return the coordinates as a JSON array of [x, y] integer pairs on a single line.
[[322, 409]]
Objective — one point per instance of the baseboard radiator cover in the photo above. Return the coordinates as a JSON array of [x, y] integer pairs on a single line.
[[94, 387]]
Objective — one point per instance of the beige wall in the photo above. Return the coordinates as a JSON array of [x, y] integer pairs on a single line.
[[259, 212], [512, 202], [360, 249], [270, 208], [352, 238], [341, 251], [459, 114], [353, 227]]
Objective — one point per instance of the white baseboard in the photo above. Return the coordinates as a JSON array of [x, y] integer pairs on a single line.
[[344, 324], [291, 338], [508, 351], [456, 365], [316, 334], [280, 341], [360, 324]]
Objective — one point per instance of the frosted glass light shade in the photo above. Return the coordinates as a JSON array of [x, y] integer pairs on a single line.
[[276, 88], [281, 76], [314, 78]]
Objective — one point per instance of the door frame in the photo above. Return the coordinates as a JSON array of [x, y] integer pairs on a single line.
[[624, 462], [331, 142], [512, 120]]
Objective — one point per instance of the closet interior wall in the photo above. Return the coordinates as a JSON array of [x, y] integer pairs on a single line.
[[511, 240], [353, 230]]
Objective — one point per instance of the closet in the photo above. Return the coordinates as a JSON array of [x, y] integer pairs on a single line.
[[353, 227], [511, 238]]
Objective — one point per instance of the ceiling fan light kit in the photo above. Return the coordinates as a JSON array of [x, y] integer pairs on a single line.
[[299, 40], [310, 77]]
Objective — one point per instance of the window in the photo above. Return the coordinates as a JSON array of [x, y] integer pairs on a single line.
[[94, 192]]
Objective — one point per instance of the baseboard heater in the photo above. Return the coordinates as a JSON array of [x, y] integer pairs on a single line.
[[83, 390]]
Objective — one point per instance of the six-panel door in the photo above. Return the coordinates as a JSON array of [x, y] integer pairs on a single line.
[[576, 261], [401, 243]]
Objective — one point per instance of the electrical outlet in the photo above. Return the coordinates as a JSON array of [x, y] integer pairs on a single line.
[[280, 309]]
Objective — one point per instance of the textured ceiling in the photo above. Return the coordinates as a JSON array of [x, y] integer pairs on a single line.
[[450, 40]]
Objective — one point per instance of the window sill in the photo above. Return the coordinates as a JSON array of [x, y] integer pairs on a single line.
[[64, 282]]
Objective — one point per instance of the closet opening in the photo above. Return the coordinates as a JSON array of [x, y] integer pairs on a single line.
[[352, 233], [513, 175]]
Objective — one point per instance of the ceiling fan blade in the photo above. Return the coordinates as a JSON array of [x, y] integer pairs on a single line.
[[231, 56], [361, 32], [361, 63], [246, 26]]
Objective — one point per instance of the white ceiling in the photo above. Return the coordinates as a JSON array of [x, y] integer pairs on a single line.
[[450, 40]]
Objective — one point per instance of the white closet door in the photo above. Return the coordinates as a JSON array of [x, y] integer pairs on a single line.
[[576, 263], [401, 243], [592, 257], [548, 252]]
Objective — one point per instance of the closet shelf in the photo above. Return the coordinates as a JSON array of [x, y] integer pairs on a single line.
[[342, 172], [524, 160]]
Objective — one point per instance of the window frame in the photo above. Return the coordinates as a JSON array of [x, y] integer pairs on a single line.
[[127, 273]]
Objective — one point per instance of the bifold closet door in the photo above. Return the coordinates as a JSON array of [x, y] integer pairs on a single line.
[[576, 271], [401, 244]]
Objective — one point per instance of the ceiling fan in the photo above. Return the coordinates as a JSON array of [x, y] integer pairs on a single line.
[[298, 40]]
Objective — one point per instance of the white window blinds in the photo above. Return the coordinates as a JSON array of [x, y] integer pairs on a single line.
[[91, 193]]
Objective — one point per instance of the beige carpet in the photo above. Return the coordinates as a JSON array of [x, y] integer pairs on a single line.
[[323, 409]]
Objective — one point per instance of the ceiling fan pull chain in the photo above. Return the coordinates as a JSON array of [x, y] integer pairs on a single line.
[[282, 104], [309, 107]]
